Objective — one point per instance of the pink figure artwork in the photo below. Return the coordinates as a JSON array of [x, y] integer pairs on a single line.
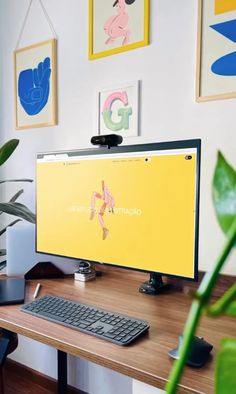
[[108, 202], [116, 25]]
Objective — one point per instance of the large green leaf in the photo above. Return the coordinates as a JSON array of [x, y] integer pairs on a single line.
[[7, 149], [225, 367], [19, 210], [224, 193]]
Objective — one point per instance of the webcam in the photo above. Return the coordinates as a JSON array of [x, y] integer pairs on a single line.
[[108, 140]]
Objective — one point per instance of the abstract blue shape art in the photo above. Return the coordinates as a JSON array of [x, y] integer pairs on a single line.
[[34, 87], [226, 65], [227, 29]]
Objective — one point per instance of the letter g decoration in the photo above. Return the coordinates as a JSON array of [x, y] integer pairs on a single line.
[[123, 113]]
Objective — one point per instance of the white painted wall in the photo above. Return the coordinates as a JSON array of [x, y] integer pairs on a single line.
[[168, 110], [142, 388]]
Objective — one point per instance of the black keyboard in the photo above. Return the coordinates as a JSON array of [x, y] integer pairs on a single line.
[[119, 329]]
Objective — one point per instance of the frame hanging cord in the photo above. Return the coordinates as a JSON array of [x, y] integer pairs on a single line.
[[26, 18]]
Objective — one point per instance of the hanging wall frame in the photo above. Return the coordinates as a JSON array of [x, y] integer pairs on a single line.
[[35, 85], [216, 50], [118, 109], [116, 26], [35, 69]]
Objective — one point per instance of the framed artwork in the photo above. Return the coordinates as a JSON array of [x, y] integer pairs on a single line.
[[216, 50], [35, 85], [117, 25], [118, 109]]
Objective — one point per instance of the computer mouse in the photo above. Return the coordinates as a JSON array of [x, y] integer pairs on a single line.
[[199, 352]]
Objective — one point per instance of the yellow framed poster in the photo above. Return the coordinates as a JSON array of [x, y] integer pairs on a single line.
[[116, 26]]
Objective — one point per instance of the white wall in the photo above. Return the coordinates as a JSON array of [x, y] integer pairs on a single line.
[[141, 388], [168, 110]]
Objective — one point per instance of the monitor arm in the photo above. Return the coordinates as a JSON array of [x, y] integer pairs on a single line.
[[154, 285]]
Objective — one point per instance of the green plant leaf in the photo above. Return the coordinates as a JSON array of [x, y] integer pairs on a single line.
[[225, 304], [19, 210], [9, 225], [17, 180], [224, 193], [3, 252], [225, 367], [15, 197], [231, 310], [7, 149]]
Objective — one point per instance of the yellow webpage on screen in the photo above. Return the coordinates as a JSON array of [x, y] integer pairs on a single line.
[[134, 211]]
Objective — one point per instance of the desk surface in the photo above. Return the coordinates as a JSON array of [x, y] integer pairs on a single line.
[[145, 360]]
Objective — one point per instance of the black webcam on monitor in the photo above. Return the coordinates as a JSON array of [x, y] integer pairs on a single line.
[[108, 140]]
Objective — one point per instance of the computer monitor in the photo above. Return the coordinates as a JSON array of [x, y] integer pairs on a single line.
[[133, 206]]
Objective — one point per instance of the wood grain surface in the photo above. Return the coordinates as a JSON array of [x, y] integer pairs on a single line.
[[19, 379], [145, 360]]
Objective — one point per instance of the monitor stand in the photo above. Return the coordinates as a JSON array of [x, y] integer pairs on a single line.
[[154, 286]]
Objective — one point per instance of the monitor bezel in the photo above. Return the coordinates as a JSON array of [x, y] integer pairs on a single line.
[[154, 146]]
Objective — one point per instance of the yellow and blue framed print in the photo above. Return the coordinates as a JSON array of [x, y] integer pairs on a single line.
[[216, 50]]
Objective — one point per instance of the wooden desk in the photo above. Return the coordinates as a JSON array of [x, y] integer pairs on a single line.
[[146, 360]]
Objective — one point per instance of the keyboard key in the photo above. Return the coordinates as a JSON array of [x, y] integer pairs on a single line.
[[134, 332], [82, 325], [127, 338], [109, 335], [46, 314]]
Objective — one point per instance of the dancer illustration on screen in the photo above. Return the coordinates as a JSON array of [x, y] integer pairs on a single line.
[[108, 202]]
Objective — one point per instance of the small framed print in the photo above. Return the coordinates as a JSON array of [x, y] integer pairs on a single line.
[[118, 109], [116, 26], [216, 55], [35, 85]]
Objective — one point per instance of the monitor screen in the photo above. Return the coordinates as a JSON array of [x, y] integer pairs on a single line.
[[130, 206]]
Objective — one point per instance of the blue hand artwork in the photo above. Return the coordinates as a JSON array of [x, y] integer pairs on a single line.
[[34, 87]]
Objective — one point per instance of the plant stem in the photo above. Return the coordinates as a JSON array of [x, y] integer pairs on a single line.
[[224, 304], [203, 295], [209, 280], [189, 331]]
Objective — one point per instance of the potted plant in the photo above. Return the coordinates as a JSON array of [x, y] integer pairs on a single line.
[[12, 207], [224, 199]]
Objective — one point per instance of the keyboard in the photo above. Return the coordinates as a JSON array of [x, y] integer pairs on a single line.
[[116, 328]]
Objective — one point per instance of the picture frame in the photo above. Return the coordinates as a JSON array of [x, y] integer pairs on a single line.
[[116, 26], [118, 109], [35, 69], [216, 56]]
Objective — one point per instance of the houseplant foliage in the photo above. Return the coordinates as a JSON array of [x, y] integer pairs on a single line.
[[12, 207], [224, 199]]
